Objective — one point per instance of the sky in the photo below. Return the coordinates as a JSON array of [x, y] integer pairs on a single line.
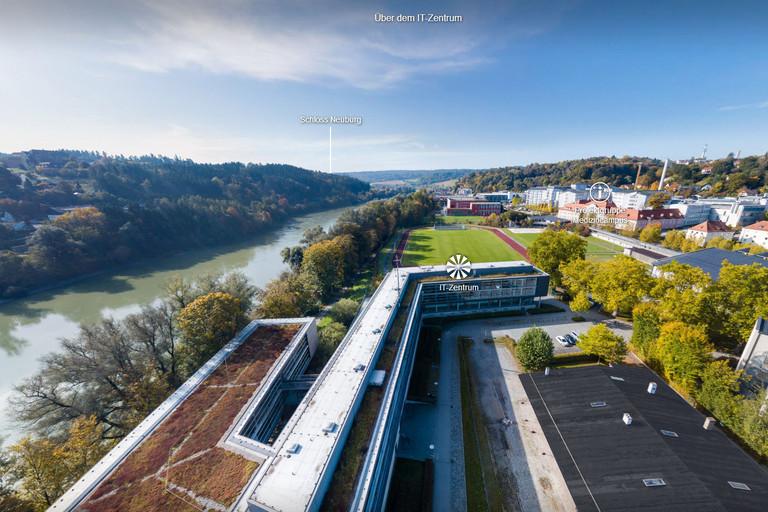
[[515, 82]]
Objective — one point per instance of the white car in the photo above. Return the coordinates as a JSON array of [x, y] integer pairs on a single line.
[[564, 342]]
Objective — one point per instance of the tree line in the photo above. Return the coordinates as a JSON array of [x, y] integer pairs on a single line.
[[105, 380], [727, 176], [128, 208]]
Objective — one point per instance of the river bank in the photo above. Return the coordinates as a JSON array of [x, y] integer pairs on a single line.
[[31, 327]]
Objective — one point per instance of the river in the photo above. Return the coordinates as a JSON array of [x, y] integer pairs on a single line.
[[33, 326]]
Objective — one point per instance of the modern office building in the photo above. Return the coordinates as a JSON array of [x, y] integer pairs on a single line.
[[631, 199], [252, 431], [543, 196]]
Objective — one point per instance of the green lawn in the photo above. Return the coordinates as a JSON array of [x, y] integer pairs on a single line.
[[597, 250], [434, 247]]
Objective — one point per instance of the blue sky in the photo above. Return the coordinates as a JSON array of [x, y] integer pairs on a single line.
[[515, 82]]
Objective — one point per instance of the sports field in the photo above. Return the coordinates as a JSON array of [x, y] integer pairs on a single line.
[[434, 247], [597, 250]]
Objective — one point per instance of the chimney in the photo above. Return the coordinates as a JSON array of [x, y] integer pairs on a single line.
[[663, 174]]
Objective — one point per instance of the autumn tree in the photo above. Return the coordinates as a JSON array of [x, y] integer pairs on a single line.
[[681, 290], [651, 233], [47, 467], [206, 324], [291, 295], [719, 393], [646, 326], [683, 350], [736, 299], [754, 429], [621, 283], [658, 200], [673, 239], [602, 342], [555, 248], [325, 261]]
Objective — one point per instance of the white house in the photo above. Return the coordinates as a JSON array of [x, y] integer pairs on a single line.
[[756, 233], [708, 230]]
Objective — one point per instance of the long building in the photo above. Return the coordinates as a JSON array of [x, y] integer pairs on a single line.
[[252, 431]]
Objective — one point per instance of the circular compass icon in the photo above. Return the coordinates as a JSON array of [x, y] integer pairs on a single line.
[[600, 191], [458, 266]]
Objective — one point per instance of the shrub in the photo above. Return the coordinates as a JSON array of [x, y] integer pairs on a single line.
[[534, 349]]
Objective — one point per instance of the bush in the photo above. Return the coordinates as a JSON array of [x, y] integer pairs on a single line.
[[344, 311], [534, 349]]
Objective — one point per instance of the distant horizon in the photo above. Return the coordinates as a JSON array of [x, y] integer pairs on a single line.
[[437, 169]]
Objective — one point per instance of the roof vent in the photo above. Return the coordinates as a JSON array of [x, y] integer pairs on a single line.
[[652, 388], [294, 448], [709, 423], [597, 404], [668, 433], [654, 482], [331, 428], [627, 418], [620, 379], [739, 485]]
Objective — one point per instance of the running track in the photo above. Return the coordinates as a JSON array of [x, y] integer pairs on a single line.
[[400, 248], [514, 244]]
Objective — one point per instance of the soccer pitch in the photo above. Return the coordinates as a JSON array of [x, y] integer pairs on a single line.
[[597, 250], [434, 247]]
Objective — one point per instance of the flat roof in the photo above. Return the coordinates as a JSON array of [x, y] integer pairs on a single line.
[[172, 458], [291, 479], [710, 260], [605, 461]]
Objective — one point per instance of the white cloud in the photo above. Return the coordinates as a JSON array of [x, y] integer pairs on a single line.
[[745, 106], [286, 41]]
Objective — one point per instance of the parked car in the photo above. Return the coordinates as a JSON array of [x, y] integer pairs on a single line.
[[574, 336], [561, 340]]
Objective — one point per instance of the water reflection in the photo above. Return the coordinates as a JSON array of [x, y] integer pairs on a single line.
[[32, 327]]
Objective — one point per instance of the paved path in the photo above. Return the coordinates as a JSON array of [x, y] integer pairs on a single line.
[[397, 257], [529, 474], [450, 492]]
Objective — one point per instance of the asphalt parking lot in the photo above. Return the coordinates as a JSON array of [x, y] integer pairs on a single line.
[[556, 324]]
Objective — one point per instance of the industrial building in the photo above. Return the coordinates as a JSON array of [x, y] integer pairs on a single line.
[[251, 431], [625, 440], [710, 260]]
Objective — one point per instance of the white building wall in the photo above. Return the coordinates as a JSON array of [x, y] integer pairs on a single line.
[[694, 213], [754, 236]]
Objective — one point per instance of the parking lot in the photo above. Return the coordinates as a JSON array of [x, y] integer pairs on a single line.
[[555, 324]]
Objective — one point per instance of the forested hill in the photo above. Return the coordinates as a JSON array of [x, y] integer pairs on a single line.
[[69, 212], [727, 176]]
